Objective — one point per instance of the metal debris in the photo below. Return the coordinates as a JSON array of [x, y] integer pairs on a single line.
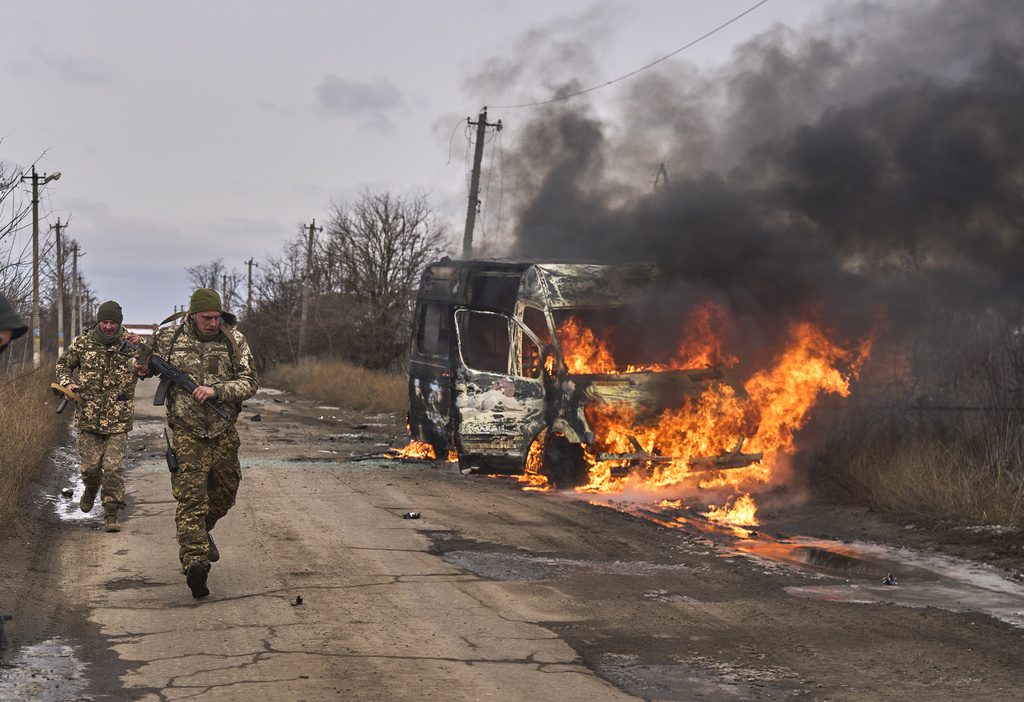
[[67, 492], [411, 515], [297, 602], [889, 579], [256, 417]]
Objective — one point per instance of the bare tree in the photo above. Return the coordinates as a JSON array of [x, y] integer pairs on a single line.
[[377, 248], [216, 275]]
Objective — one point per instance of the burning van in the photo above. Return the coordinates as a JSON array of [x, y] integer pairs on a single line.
[[502, 376]]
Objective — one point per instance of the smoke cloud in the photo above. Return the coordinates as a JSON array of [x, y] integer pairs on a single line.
[[866, 172]]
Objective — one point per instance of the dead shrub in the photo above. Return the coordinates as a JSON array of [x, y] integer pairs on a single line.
[[968, 469], [341, 383], [29, 431]]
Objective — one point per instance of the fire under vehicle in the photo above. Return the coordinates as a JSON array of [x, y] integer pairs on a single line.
[[489, 377]]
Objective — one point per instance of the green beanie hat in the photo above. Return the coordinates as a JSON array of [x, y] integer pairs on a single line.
[[110, 311], [9, 319], [204, 300]]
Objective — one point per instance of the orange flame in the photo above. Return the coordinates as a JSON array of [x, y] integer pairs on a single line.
[[531, 475], [780, 399], [414, 450], [735, 512]]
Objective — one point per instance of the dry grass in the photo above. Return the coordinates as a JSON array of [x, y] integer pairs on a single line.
[[969, 470], [29, 431], [341, 383]]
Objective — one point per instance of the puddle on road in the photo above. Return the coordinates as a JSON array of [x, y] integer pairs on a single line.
[[45, 672], [66, 506], [859, 572]]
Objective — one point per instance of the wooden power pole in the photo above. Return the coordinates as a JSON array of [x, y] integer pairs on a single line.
[[248, 296], [60, 286], [75, 304], [474, 181], [35, 178], [307, 289]]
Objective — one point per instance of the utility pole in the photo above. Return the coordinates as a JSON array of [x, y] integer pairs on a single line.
[[87, 309], [60, 286], [35, 178], [307, 290], [74, 290], [662, 177], [248, 298], [474, 181]]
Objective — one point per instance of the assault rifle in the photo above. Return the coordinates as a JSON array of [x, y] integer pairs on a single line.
[[169, 375], [67, 396]]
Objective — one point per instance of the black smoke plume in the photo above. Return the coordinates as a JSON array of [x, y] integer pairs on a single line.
[[866, 172]]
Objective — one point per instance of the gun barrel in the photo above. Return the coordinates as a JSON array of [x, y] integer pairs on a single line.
[[172, 376]]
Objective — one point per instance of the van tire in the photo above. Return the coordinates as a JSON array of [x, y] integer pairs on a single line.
[[564, 464]]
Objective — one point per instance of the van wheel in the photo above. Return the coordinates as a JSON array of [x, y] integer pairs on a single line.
[[564, 464]]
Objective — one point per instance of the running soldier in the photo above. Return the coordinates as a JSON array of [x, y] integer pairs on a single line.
[[106, 384], [207, 347]]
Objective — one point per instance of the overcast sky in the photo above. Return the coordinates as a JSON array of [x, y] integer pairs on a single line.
[[191, 131]]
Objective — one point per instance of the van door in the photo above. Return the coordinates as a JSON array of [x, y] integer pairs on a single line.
[[499, 386], [430, 376]]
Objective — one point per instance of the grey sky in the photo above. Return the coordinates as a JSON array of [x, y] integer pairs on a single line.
[[192, 131]]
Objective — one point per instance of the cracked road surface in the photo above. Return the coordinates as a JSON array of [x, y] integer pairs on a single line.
[[492, 594]]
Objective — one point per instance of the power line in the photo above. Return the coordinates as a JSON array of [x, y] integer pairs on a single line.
[[591, 89]]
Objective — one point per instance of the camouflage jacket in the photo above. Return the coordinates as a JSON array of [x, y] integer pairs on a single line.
[[107, 385], [225, 364]]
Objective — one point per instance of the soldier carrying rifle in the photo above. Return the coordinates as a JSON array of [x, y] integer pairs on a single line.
[[207, 348], [106, 386]]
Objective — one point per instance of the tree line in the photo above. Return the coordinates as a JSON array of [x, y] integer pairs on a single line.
[[363, 272]]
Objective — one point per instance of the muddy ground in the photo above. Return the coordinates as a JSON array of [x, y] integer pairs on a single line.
[[492, 592]]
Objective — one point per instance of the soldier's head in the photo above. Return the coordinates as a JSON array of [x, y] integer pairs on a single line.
[[11, 325], [205, 310], [109, 318]]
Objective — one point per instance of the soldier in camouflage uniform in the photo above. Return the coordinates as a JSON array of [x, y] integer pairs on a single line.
[[216, 356], [106, 384]]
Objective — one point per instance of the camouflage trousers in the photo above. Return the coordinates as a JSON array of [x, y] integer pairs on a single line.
[[205, 487], [102, 465]]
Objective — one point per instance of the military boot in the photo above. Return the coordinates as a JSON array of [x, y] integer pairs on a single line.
[[195, 577], [88, 500], [110, 519], [213, 554]]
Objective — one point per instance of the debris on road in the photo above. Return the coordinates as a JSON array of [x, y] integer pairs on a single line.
[[67, 492], [889, 579], [297, 602], [256, 417], [411, 515]]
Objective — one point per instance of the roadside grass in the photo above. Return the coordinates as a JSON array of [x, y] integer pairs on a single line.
[[29, 431], [969, 470], [341, 383]]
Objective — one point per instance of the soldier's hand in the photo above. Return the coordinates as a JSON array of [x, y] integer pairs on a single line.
[[203, 393], [142, 369], [73, 387], [133, 338]]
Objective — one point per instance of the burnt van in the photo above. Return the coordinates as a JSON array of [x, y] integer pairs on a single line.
[[487, 375]]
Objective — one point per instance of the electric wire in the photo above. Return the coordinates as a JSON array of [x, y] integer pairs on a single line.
[[569, 96]]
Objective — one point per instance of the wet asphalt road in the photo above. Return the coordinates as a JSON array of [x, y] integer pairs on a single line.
[[493, 593]]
